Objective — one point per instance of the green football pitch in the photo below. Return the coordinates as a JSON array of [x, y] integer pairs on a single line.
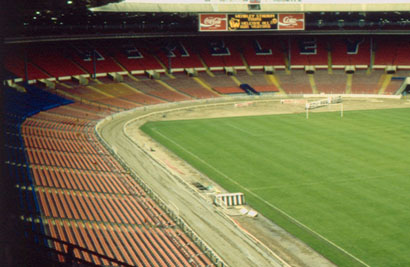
[[342, 185]]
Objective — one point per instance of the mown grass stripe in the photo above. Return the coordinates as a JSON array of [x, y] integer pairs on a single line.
[[346, 179]]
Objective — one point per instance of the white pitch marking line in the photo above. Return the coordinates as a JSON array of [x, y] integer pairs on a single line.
[[324, 182], [247, 132], [157, 131], [239, 129], [266, 202]]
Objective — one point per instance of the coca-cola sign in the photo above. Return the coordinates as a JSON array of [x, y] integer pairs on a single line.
[[212, 22], [291, 22]]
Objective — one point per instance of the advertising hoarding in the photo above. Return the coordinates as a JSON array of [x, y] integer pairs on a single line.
[[251, 22]]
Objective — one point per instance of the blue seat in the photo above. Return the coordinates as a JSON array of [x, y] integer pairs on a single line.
[[17, 107]]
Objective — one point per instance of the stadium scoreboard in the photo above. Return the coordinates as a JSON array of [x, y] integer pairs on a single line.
[[251, 22]]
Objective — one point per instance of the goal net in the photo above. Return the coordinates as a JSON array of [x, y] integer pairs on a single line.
[[323, 102]]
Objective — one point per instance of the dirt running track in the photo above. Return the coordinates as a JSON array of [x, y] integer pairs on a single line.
[[234, 246]]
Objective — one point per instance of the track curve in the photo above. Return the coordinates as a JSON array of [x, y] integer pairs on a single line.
[[234, 246]]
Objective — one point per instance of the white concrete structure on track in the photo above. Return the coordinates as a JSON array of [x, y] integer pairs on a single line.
[[234, 246]]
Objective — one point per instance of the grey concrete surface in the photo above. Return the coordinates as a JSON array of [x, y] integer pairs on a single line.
[[233, 246]]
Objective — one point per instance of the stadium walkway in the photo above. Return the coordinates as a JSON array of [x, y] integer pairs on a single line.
[[217, 230]]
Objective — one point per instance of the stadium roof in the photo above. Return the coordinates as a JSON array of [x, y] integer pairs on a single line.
[[200, 6]]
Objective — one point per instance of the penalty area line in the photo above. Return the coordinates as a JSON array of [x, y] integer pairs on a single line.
[[239, 129], [365, 178], [266, 202]]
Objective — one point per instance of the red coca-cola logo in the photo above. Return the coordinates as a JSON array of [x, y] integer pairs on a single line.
[[212, 22], [291, 22]]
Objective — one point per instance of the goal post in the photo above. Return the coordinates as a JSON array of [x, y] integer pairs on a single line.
[[307, 110], [324, 102]]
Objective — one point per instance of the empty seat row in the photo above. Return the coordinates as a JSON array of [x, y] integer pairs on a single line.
[[55, 133], [83, 194], [155, 89], [93, 206], [68, 160], [46, 61], [190, 87], [41, 123], [130, 244], [103, 182], [52, 144], [189, 248]]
